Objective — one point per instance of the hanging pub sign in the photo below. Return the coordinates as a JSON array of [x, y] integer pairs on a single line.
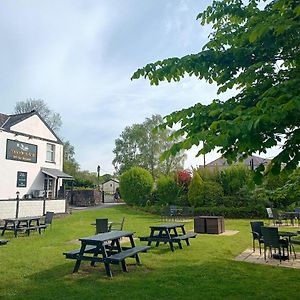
[[21, 179], [16, 150]]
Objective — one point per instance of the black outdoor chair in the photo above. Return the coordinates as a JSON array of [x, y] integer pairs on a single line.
[[272, 241], [101, 225], [274, 216], [117, 225], [187, 212], [165, 213], [47, 221], [297, 210], [256, 234]]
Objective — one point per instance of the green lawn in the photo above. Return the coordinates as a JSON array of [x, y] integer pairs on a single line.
[[34, 267]]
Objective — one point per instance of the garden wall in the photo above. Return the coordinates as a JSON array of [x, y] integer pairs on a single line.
[[37, 207]]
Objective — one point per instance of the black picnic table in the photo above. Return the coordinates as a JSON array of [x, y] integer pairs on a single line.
[[106, 248], [22, 224], [168, 233]]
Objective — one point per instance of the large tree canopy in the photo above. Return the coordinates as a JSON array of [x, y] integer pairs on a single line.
[[254, 48], [139, 145]]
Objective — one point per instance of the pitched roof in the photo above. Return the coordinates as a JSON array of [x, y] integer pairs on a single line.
[[112, 179], [3, 118], [7, 121], [14, 119], [256, 160]]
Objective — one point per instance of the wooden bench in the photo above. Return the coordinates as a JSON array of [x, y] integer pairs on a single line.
[[132, 252], [74, 253], [186, 236], [155, 238]]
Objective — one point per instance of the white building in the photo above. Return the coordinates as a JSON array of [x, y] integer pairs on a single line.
[[31, 157], [110, 185]]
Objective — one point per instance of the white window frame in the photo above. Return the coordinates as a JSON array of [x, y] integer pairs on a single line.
[[50, 153]]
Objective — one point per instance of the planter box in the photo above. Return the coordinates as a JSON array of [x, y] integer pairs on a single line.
[[209, 224]]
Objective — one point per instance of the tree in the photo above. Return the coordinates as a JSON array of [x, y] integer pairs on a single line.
[[52, 118], [141, 145], [255, 49], [136, 186]]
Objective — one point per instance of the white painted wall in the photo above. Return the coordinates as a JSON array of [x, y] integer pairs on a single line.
[[34, 126], [9, 168], [8, 209], [28, 208], [110, 186]]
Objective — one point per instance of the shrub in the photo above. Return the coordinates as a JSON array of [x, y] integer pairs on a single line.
[[184, 178], [195, 194], [204, 193], [232, 212], [233, 178], [166, 190], [136, 185]]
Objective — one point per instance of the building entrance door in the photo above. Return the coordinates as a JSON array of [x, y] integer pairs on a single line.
[[48, 186]]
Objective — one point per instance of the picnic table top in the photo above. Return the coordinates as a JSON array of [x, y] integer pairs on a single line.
[[107, 236], [167, 226], [22, 218]]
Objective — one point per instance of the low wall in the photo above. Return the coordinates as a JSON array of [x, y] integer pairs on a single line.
[[26, 208], [85, 197]]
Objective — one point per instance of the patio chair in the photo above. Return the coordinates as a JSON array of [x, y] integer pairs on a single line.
[[48, 220], [274, 216], [165, 213], [101, 226], [117, 225], [297, 210], [272, 241], [277, 217], [256, 234], [187, 212]]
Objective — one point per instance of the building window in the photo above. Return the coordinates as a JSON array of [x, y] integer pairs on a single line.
[[50, 156]]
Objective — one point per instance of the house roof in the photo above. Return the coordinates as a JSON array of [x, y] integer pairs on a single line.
[[7, 121], [3, 118], [56, 173], [221, 161], [112, 179]]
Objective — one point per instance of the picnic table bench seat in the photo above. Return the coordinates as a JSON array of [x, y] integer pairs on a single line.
[[186, 236], [155, 238], [120, 256], [74, 253], [3, 242]]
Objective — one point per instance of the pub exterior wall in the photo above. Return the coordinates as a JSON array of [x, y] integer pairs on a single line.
[[9, 168]]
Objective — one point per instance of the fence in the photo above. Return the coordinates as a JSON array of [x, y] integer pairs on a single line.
[[14, 208]]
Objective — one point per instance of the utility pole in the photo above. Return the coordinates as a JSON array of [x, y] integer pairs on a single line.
[[98, 173]]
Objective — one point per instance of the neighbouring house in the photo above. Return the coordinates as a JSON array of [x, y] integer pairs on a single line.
[[252, 162], [31, 158], [110, 185]]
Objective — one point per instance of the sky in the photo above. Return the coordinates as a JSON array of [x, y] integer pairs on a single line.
[[78, 56]]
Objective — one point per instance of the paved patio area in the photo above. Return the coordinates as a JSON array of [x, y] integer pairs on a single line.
[[254, 257]]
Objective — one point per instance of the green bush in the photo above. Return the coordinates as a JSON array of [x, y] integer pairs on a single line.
[[195, 193], [166, 190], [204, 193], [232, 212], [233, 178], [136, 185]]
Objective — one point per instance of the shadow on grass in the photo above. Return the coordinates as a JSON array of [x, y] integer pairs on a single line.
[[214, 280]]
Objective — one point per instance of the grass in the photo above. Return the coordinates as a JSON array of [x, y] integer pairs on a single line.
[[34, 268]]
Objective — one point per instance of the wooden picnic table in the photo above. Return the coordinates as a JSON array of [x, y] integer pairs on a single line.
[[168, 233], [106, 248], [22, 224]]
